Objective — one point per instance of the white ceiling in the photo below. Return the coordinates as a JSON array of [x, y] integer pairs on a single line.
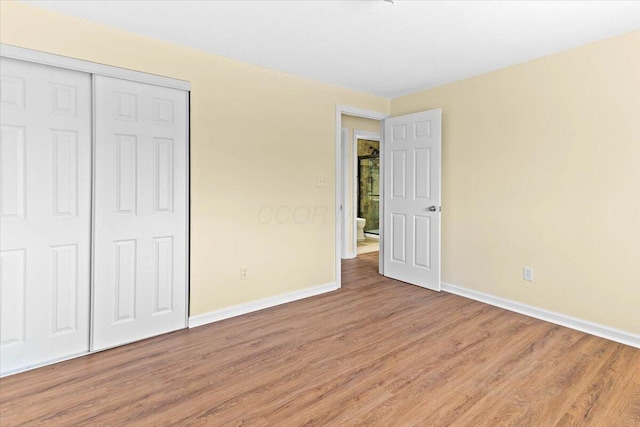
[[368, 45]]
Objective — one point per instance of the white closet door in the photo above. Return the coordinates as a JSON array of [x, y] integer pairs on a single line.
[[140, 211], [45, 213]]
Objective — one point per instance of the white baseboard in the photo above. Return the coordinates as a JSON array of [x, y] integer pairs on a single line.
[[350, 255], [42, 364], [261, 304], [617, 335]]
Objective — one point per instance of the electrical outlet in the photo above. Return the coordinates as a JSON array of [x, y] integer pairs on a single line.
[[322, 181], [244, 272], [527, 273]]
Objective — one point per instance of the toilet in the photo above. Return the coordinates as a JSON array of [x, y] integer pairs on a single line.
[[360, 223]]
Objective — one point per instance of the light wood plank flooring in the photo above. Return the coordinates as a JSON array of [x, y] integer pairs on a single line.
[[376, 352]]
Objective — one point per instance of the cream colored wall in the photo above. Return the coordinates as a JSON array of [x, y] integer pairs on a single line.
[[360, 123], [259, 140], [352, 123], [541, 168]]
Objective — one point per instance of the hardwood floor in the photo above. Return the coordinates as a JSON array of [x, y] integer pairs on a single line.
[[377, 352]]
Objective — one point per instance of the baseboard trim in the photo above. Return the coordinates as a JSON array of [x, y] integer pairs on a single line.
[[261, 304], [43, 364], [350, 255], [602, 331]]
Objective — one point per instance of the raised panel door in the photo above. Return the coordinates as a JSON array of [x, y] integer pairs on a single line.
[[45, 213], [140, 211], [412, 198]]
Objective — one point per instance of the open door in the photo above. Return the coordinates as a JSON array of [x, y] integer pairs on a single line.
[[412, 153]]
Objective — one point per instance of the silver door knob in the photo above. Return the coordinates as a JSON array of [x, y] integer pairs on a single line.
[[431, 208]]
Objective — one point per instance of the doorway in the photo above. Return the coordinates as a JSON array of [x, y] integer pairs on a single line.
[[366, 176], [361, 183], [409, 200], [349, 129]]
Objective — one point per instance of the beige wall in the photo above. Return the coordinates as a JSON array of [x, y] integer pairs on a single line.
[[360, 123], [352, 123], [541, 168], [259, 140]]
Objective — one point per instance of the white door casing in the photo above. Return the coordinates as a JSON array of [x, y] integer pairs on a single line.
[[45, 213], [345, 205], [412, 157], [140, 282]]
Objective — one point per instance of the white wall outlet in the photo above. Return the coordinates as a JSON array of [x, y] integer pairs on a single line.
[[322, 181], [527, 273], [244, 272]]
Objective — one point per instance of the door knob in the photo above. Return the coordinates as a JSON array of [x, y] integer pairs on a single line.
[[431, 208]]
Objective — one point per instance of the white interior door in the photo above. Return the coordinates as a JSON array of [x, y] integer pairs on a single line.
[[140, 282], [45, 213], [412, 152]]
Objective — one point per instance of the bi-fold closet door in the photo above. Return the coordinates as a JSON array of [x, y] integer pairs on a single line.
[[93, 212]]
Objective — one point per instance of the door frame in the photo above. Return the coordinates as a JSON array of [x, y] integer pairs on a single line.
[[345, 253], [339, 189]]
